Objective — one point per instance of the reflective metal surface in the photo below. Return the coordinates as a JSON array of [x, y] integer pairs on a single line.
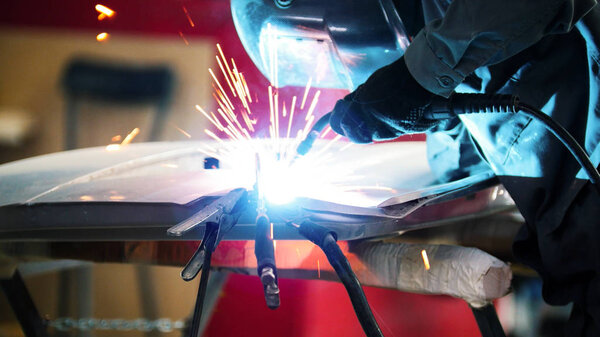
[[141, 190]]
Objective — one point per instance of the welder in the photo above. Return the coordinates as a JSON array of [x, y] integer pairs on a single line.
[[545, 51]]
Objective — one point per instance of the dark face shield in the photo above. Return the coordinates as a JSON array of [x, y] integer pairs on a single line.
[[333, 44]]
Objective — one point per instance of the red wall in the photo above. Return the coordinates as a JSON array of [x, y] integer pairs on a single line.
[[212, 20], [322, 309]]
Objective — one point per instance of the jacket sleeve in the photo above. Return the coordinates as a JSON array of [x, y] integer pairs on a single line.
[[476, 33]]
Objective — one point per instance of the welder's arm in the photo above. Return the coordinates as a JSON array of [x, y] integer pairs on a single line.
[[472, 34], [475, 33]]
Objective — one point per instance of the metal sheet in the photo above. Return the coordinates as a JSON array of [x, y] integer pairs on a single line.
[[142, 189]]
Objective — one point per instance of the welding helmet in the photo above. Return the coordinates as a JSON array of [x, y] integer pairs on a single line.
[[333, 44]]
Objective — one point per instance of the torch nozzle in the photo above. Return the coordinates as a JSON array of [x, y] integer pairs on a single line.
[[312, 135]]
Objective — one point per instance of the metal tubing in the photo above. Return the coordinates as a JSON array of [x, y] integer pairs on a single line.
[[211, 236]]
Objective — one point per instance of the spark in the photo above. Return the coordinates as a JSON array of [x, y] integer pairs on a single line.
[[276, 103], [211, 152], [326, 131], [104, 11], [425, 259], [102, 37], [117, 197], [307, 127], [305, 93], [229, 134], [184, 39], [246, 87], [213, 136], [318, 269], [225, 75], [182, 131], [239, 86], [212, 118], [326, 147], [271, 112], [232, 128], [116, 138], [220, 87], [239, 130], [130, 136], [313, 104], [227, 66], [248, 122], [220, 99], [346, 147], [188, 16], [86, 198], [219, 125], [291, 117], [284, 110]]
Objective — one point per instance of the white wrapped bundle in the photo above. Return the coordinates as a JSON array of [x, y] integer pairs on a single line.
[[467, 273]]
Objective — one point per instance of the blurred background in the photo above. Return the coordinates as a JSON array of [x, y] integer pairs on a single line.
[[56, 59]]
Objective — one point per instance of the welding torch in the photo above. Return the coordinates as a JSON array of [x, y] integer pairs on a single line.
[[312, 135], [468, 104]]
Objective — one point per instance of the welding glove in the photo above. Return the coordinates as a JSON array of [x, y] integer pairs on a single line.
[[389, 104]]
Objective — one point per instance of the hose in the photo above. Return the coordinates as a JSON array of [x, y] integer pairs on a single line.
[[265, 262], [567, 139], [326, 240]]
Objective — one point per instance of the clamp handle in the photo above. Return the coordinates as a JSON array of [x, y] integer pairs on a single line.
[[265, 260]]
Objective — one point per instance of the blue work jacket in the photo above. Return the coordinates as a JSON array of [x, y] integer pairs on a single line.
[[546, 52]]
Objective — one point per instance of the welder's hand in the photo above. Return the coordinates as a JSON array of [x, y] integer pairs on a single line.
[[389, 104]]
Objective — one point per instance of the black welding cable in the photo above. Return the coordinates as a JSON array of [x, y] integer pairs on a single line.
[[326, 240], [567, 139], [265, 262], [359, 301]]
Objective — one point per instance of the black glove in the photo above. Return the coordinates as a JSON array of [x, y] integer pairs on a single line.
[[389, 104]]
